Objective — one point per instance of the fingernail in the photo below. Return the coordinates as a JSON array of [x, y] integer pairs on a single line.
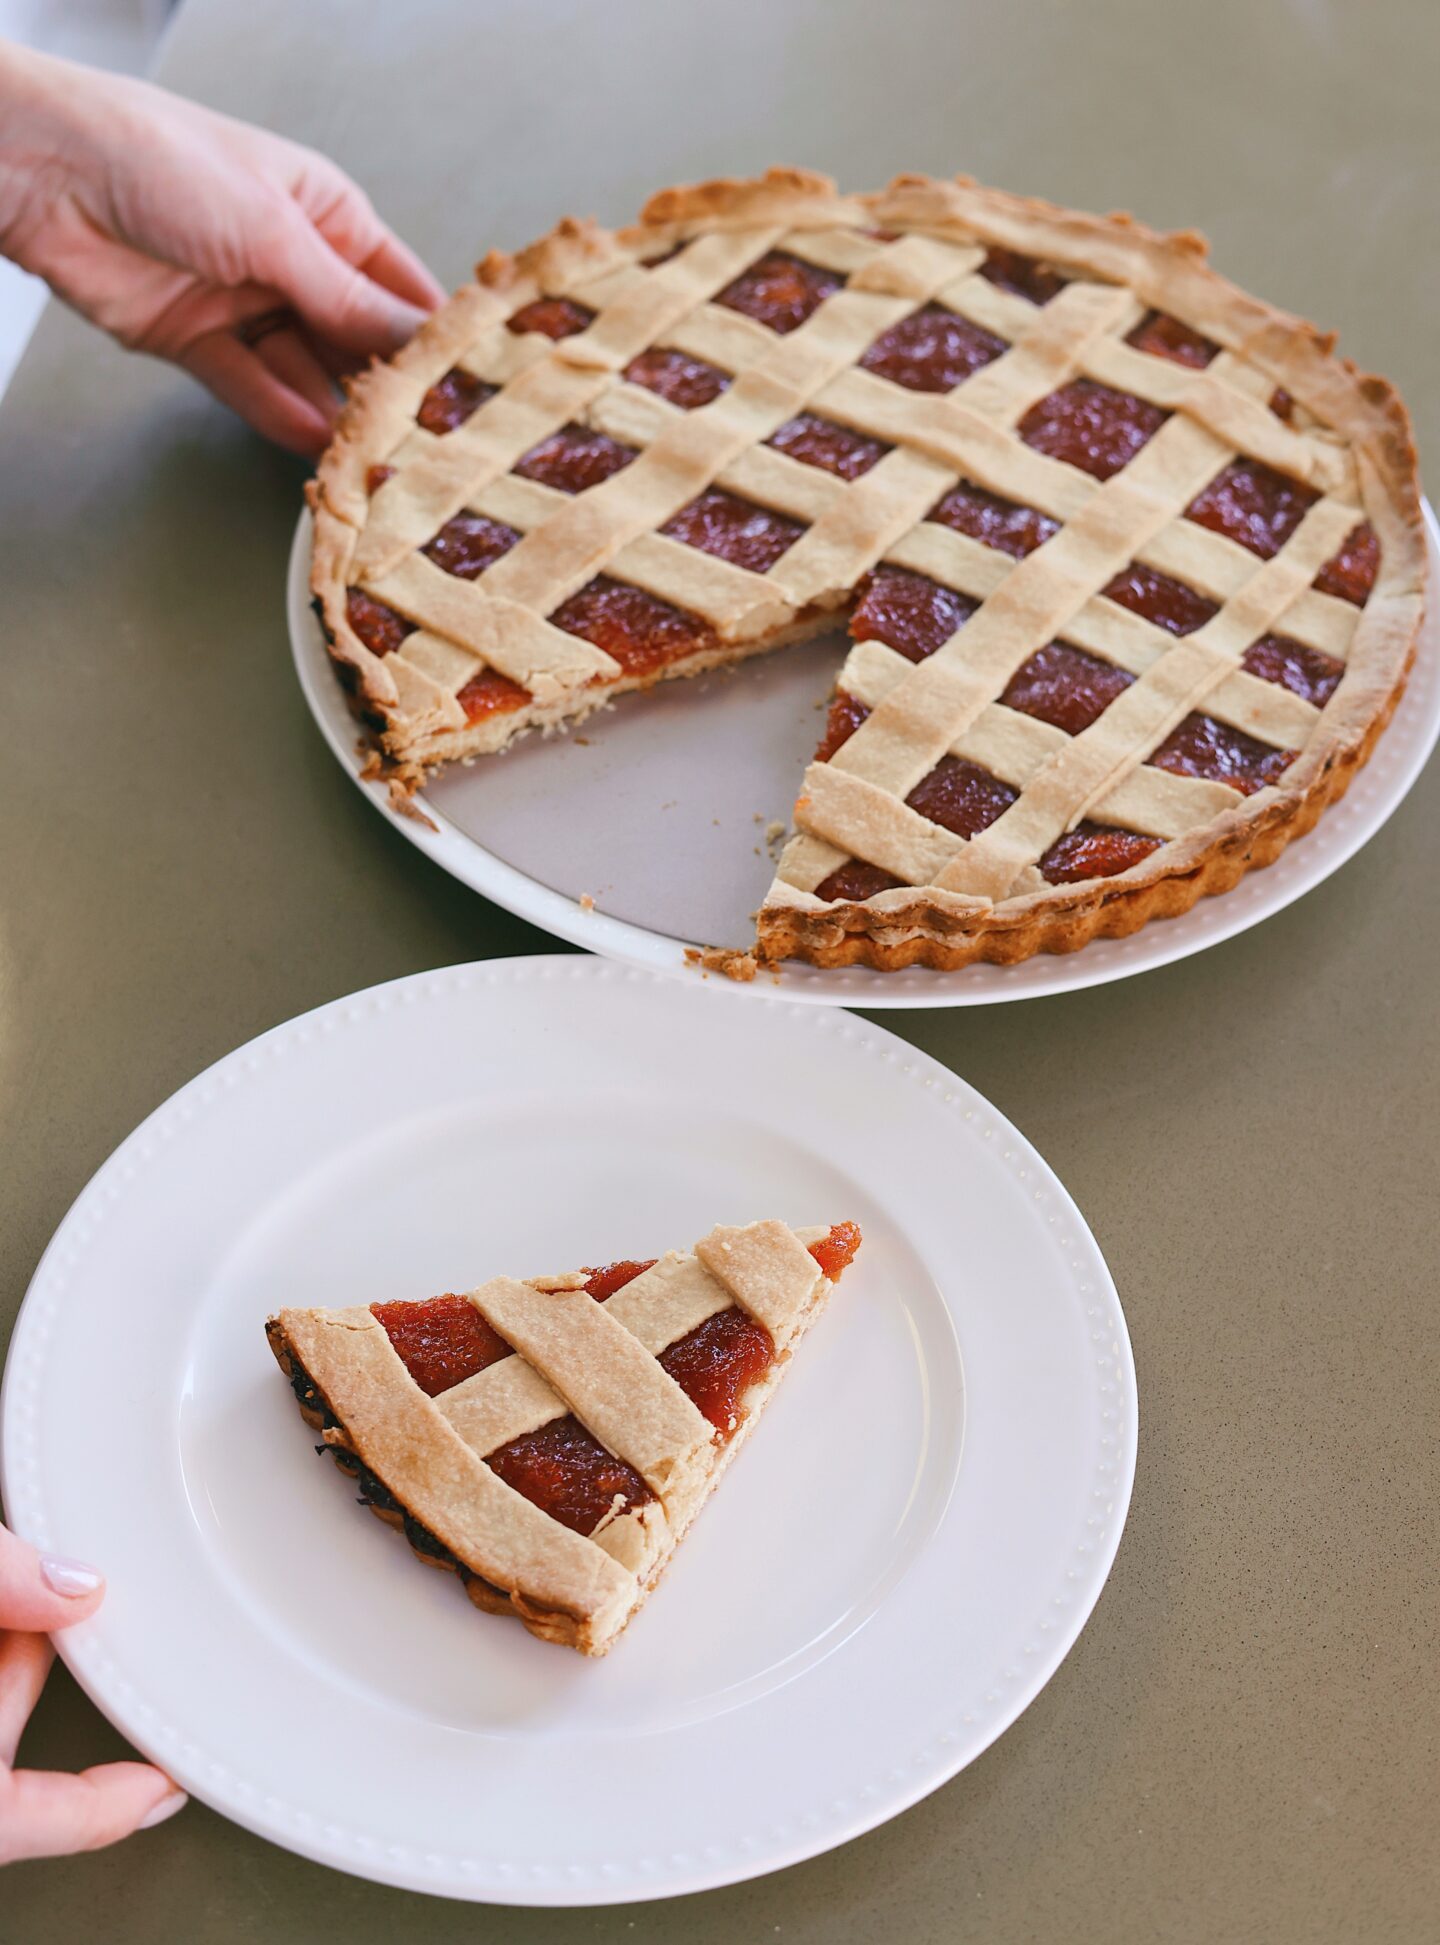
[[166, 1807], [69, 1577]]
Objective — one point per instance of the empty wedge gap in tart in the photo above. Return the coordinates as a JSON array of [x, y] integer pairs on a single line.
[[551, 1441], [1133, 563]]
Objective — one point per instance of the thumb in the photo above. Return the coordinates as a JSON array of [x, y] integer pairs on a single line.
[[338, 301], [42, 1592]]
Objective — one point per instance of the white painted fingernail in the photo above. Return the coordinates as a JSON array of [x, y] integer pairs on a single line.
[[69, 1577], [166, 1807]]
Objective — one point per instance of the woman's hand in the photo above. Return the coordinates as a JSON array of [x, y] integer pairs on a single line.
[[42, 1814], [254, 263]]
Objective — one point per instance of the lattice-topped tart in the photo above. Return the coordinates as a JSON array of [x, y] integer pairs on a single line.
[[1132, 563], [551, 1441]]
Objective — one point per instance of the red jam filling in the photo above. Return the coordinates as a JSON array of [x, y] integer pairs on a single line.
[[1065, 687], [488, 693], [932, 350], [642, 632], [442, 1341], [846, 716], [1351, 574], [1013, 529], [1025, 276], [602, 1284], [1091, 426], [574, 458], [1305, 672], [569, 1474], [468, 544], [833, 448], [909, 612], [836, 1252], [552, 317], [378, 627], [1164, 336], [1281, 404], [716, 1364], [1094, 851], [1203, 747], [1252, 504], [857, 880], [685, 381], [780, 290], [961, 797], [1169, 604], [451, 400], [376, 476], [735, 530]]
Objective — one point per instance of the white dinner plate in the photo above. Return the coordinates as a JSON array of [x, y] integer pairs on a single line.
[[897, 1564], [658, 810]]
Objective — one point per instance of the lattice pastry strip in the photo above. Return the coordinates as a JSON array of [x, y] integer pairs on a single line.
[[1076, 454], [444, 1447]]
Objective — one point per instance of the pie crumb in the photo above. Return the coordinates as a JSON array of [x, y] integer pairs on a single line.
[[587, 903], [402, 781], [742, 966], [402, 800]]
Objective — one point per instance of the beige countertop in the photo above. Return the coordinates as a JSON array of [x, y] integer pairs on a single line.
[[1243, 1744]]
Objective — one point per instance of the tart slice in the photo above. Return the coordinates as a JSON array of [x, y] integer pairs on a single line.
[[551, 1441]]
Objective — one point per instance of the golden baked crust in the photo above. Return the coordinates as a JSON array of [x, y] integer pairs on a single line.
[[958, 899], [420, 1457]]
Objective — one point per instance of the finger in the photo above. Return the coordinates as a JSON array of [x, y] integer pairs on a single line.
[[344, 215], [238, 379], [43, 1814], [288, 356], [41, 1592], [198, 309], [336, 299], [24, 1663], [396, 266]]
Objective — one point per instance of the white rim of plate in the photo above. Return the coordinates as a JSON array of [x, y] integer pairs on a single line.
[[1371, 800], [1006, 1692]]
